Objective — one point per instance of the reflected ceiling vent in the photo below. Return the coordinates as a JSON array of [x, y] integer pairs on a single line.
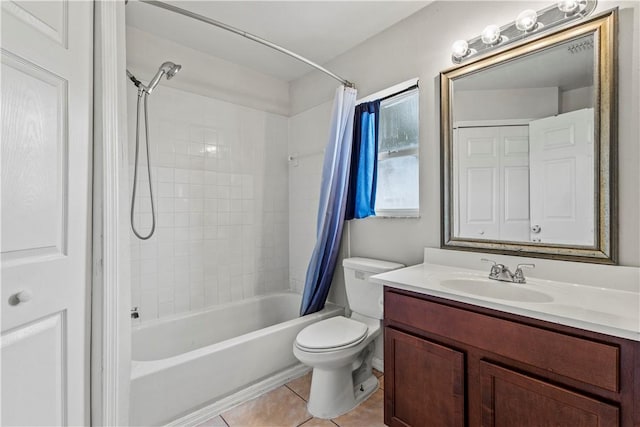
[[581, 46]]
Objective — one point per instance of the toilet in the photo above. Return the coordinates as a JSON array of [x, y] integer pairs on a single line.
[[340, 349]]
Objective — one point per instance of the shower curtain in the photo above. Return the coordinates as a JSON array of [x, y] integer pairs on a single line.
[[333, 198]]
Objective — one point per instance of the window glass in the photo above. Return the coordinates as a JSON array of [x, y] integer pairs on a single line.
[[397, 192], [399, 122]]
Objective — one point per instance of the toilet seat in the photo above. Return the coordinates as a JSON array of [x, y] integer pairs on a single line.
[[331, 334]]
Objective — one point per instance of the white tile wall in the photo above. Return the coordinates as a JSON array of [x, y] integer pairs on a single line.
[[220, 182], [307, 139]]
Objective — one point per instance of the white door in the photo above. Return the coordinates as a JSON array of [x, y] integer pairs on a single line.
[[46, 92], [562, 179], [514, 183], [476, 182], [491, 182]]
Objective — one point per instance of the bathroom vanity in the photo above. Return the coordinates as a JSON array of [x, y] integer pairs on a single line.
[[511, 357]]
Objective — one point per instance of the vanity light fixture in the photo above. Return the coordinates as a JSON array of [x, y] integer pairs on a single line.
[[572, 6], [491, 35], [527, 20], [460, 49], [527, 23]]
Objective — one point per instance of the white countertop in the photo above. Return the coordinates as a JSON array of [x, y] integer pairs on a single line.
[[609, 311]]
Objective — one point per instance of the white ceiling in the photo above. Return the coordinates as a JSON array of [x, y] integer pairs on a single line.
[[318, 30]]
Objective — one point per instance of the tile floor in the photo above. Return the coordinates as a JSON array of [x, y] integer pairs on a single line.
[[287, 406]]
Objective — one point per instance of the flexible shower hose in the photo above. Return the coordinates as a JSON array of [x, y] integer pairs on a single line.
[[141, 94]]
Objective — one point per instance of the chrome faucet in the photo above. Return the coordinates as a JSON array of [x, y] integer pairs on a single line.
[[502, 273]]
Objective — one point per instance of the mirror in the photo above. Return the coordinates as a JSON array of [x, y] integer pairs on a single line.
[[527, 146]]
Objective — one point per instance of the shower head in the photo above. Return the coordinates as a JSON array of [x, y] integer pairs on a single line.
[[173, 70], [167, 68]]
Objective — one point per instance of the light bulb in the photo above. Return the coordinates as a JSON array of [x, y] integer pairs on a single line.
[[491, 35], [460, 49], [567, 6], [526, 20]]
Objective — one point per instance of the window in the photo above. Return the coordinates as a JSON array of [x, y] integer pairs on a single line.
[[398, 140]]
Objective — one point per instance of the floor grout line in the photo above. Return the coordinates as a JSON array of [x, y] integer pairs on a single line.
[[223, 420], [294, 392], [305, 421]]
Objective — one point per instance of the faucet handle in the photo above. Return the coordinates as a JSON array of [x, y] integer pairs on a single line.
[[526, 265], [496, 268], [518, 275]]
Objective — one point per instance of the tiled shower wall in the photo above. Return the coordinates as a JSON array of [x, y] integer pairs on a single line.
[[307, 140], [220, 181]]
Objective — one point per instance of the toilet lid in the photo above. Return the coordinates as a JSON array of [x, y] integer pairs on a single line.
[[334, 332]]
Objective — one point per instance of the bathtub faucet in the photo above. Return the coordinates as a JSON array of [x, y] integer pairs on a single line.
[[134, 313]]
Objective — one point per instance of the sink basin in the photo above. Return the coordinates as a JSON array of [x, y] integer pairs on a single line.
[[494, 289]]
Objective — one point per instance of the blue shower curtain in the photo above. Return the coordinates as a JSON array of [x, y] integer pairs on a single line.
[[361, 199], [333, 199]]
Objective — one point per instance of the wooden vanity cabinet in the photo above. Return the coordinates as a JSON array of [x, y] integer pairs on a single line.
[[454, 364]]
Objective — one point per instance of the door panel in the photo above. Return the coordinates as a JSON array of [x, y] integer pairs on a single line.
[[514, 183], [47, 59], [424, 382], [491, 182], [34, 154], [48, 17], [35, 354], [512, 399], [563, 193], [476, 183]]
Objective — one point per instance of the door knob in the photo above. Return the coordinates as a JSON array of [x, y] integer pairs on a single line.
[[21, 297]]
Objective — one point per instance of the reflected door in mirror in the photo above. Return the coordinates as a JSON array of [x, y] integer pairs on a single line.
[[491, 182], [562, 180]]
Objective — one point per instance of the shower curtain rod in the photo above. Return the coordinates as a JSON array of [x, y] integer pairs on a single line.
[[250, 36]]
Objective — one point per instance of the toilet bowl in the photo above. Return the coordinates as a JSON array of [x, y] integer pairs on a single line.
[[340, 349]]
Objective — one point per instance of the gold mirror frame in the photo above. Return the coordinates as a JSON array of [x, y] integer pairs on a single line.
[[604, 29]]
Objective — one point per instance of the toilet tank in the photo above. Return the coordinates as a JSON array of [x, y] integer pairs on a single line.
[[364, 296]]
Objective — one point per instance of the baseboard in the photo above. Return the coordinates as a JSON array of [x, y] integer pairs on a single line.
[[201, 415], [378, 364]]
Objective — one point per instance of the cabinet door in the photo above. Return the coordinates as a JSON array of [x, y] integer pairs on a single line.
[[512, 399], [424, 382]]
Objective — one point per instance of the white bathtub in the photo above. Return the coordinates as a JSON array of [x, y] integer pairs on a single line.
[[183, 363]]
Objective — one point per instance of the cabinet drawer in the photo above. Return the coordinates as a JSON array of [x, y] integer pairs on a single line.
[[580, 359]]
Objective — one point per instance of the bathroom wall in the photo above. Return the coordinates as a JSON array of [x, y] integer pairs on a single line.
[[505, 104], [205, 74], [220, 183], [420, 46], [308, 133]]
